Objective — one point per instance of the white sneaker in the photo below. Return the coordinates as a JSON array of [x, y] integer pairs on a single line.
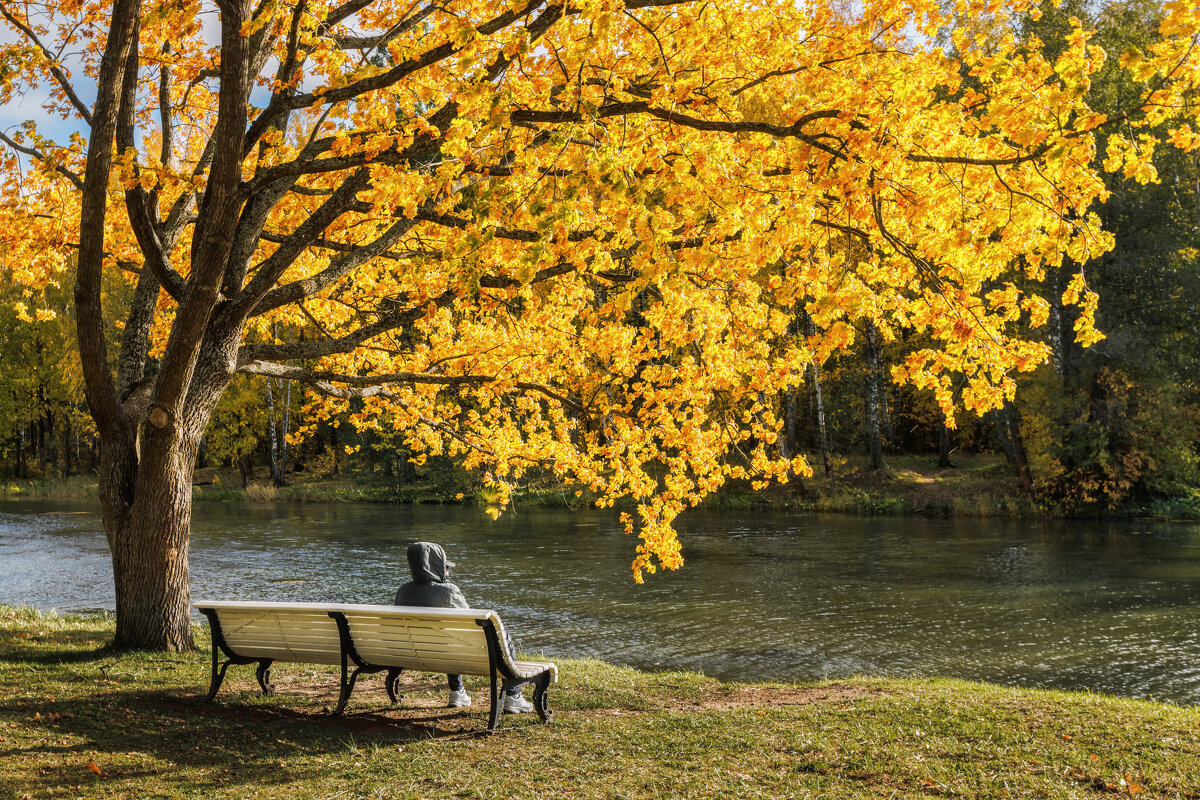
[[459, 699], [516, 704]]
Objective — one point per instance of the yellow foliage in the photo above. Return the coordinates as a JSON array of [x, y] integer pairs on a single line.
[[577, 238]]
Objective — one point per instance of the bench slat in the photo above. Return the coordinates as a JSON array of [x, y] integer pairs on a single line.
[[304, 636]]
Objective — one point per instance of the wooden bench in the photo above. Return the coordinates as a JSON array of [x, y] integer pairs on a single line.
[[368, 639]]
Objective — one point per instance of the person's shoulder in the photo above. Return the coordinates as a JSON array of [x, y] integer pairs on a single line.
[[454, 596]]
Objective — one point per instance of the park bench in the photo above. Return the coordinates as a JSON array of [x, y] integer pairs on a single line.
[[368, 639]]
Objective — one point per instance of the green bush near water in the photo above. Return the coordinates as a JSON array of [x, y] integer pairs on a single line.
[[80, 720]]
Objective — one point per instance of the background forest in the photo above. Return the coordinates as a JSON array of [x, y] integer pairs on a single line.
[[1112, 427]]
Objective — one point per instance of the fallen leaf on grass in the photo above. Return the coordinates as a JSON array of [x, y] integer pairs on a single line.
[[92, 766]]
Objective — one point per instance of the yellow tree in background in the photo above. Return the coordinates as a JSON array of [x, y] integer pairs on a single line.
[[535, 234]]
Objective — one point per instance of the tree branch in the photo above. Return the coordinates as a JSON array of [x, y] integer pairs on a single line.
[[308, 287], [361, 386], [89, 314], [59, 76], [309, 231], [381, 39], [346, 343], [384, 79], [795, 130], [75, 180]]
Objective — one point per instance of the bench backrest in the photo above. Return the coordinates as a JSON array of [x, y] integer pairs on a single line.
[[447, 640]]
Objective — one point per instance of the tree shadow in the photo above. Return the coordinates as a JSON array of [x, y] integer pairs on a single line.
[[193, 744], [85, 646]]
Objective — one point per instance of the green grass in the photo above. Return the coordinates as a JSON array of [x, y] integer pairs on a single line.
[[80, 720]]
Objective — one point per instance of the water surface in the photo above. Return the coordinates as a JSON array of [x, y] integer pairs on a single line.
[[1111, 608]]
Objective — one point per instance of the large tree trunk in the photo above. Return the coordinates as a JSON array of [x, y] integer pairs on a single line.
[[150, 553], [150, 428], [146, 493]]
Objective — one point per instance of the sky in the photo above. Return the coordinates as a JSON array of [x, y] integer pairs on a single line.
[[30, 105]]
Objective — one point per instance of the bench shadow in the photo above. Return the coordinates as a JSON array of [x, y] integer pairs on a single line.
[[195, 744]]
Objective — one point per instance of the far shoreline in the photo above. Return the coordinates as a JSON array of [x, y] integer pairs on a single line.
[[978, 486]]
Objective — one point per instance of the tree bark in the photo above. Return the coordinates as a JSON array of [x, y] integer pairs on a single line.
[[150, 552], [272, 435], [284, 429], [874, 434], [22, 461], [944, 445], [814, 375], [1055, 331], [1008, 431]]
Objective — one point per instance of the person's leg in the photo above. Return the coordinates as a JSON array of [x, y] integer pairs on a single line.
[[509, 686], [458, 693], [510, 693]]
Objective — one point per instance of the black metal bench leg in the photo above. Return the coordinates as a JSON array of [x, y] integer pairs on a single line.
[[218, 674], [541, 703], [494, 714], [392, 683], [347, 690], [263, 673], [347, 685]]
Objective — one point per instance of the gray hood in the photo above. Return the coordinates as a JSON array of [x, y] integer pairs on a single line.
[[427, 562]]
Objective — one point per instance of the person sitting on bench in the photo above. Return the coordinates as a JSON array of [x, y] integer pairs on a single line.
[[430, 587]]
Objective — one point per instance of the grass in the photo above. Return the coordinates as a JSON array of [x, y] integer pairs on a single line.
[[80, 720], [76, 487]]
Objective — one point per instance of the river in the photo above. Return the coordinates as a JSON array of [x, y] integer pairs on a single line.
[[1113, 608]]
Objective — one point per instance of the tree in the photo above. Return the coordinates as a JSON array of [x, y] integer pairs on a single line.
[[1117, 423], [459, 203], [238, 424]]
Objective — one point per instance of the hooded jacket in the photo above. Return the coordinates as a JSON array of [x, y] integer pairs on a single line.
[[429, 587]]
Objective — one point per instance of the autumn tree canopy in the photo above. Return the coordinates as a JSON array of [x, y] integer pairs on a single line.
[[537, 235]]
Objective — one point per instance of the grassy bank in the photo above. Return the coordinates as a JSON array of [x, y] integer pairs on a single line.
[[78, 720]]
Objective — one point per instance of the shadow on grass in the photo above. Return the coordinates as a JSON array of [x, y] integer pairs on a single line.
[[20, 646], [179, 739]]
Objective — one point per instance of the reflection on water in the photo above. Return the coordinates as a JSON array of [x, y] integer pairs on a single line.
[[1112, 608]]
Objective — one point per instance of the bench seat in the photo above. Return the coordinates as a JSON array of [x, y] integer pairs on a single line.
[[367, 639]]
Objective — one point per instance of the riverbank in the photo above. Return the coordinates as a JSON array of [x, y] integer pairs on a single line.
[[976, 486], [79, 720]]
